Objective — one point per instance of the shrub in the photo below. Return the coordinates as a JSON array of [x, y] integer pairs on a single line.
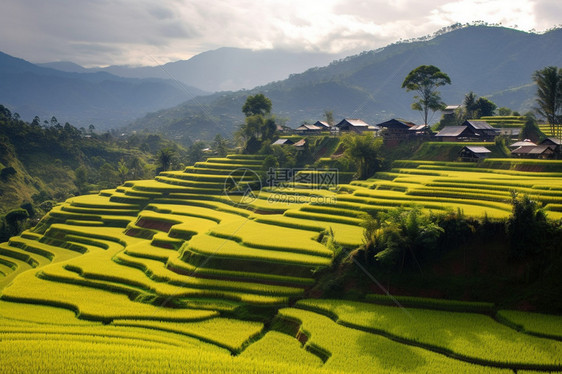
[[7, 172], [527, 228]]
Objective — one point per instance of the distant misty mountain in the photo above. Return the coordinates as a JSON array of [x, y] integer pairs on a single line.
[[494, 62], [83, 98], [67, 66], [223, 69]]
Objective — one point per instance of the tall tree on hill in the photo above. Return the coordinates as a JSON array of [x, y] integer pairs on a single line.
[[257, 104], [549, 95], [486, 107], [259, 125], [424, 80]]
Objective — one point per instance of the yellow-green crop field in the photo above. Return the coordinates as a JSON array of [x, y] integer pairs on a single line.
[[174, 275]]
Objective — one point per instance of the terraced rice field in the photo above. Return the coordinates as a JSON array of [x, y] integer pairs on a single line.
[[172, 273], [439, 186]]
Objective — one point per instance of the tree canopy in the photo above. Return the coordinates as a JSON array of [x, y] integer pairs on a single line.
[[259, 125], [257, 104], [424, 80], [363, 149], [549, 94]]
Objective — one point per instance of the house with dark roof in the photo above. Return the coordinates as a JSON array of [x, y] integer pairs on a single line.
[[543, 151], [397, 129], [322, 124], [474, 153], [555, 143], [356, 125], [483, 130], [396, 124], [456, 134]]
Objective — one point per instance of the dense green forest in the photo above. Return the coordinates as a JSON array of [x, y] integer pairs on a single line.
[[45, 162]]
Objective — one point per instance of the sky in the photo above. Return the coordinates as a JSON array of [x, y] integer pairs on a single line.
[[152, 32]]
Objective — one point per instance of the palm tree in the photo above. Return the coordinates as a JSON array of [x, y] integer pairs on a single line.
[[363, 149], [166, 157]]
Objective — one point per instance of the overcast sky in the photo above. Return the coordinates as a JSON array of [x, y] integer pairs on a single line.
[[151, 32]]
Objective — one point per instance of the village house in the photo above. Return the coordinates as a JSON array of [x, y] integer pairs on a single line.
[[450, 110], [474, 153], [483, 130], [397, 130], [470, 130], [456, 134], [356, 125], [547, 149], [324, 125], [306, 129], [554, 142], [522, 143], [538, 151]]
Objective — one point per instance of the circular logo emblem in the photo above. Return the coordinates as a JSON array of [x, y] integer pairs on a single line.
[[242, 186]]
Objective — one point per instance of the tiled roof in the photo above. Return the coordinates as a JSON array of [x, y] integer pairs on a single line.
[[477, 149], [451, 131], [282, 142], [523, 143], [321, 124], [355, 122], [479, 125], [397, 122], [306, 126]]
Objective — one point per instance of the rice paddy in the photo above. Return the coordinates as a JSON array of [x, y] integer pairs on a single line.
[[172, 273]]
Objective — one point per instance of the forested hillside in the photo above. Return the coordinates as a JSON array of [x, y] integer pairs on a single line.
[[42, 163]]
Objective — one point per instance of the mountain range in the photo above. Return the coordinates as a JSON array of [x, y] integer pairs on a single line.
[[223, 69], [114, 96], [101, 99], [174, 99]]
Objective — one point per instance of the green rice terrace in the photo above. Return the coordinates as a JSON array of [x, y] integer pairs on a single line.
[[175, 275]]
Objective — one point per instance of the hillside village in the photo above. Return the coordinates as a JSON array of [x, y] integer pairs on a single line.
[[397, 130]]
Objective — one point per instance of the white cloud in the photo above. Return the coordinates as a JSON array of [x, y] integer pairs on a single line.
[[102, 32], [512, 13], [548, 13]]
